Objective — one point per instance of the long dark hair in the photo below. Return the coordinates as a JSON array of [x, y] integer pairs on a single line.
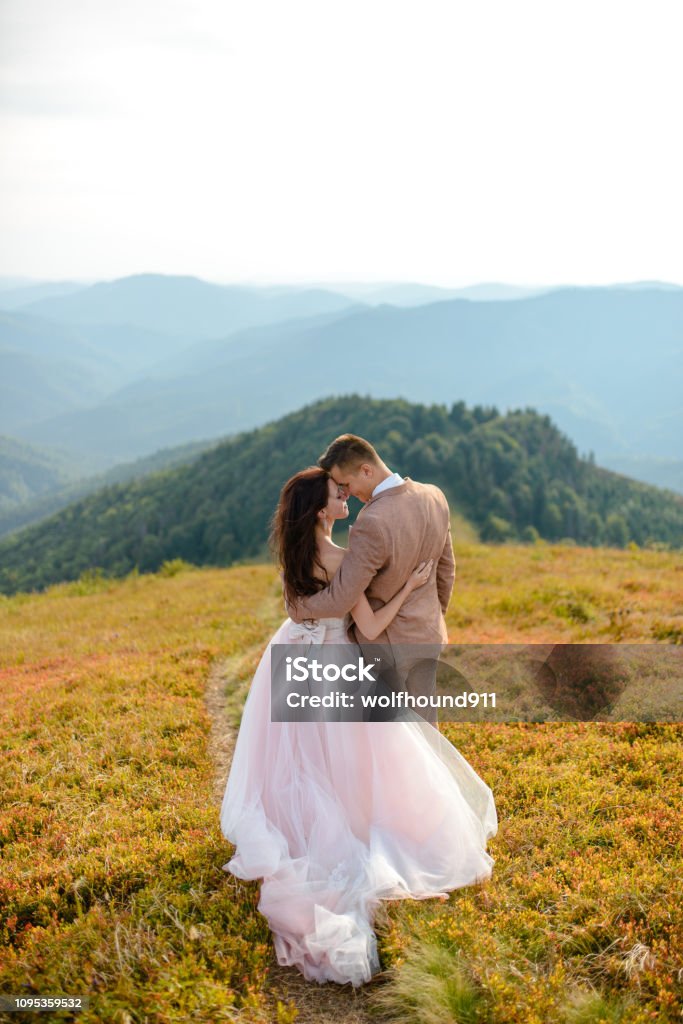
[[292, 535]]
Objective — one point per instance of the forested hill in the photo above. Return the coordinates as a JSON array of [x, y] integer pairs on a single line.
[[513, 477]]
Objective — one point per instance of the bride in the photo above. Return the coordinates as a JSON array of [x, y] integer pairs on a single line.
[[336, 816]]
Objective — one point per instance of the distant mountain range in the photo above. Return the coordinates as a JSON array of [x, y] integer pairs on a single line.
[[114, 371], [607, 365], [512, 477], [421, 294], [182, 305], [17, 293], [27, 473], [37, 482]]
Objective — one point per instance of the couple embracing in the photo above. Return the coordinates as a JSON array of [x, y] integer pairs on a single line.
[[336, 816]]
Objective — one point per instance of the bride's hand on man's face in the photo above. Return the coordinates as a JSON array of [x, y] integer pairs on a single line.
[[419, 576]]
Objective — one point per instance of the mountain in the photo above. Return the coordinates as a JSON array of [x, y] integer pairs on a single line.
[[667, 473], [27, 472], [665, 285], [36, 482], [513, 477], [407, 294], [47, 369], [14, 297], [605, 364], [183, 305], [248, 343]]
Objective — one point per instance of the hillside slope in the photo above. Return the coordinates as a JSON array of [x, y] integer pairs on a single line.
[[512, 477]]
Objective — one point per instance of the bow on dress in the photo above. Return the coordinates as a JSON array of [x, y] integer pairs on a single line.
[[311, 631]]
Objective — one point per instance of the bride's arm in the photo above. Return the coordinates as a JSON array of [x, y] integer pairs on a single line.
[[366, 555], [372, 623]]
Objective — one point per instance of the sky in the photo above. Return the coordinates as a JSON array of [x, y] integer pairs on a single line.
[[266, 141]]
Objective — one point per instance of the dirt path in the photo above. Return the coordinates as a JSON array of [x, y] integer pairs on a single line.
[[316, 1004]]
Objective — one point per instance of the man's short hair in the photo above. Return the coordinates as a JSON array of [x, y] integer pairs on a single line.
[[348, 452]]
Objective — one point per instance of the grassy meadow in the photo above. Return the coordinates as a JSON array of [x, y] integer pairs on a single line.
[[112, 883]]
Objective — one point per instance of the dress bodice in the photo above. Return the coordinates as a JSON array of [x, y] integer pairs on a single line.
[[336, 629]]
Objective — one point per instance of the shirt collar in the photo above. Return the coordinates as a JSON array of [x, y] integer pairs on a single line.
[[395, 480]]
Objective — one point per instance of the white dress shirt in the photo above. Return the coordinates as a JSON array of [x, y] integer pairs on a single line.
[[390, 481]]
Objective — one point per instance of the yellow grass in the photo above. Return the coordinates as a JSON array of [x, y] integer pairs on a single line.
[[112, 883]]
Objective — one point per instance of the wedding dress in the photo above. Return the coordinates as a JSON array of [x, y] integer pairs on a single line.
[[334, 816]]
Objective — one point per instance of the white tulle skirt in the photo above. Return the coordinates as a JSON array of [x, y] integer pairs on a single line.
[[334, 816]]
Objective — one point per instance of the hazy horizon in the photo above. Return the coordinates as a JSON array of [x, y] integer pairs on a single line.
[[20, 279]]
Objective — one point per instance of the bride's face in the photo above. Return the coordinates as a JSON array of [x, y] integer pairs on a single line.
[[336, 507]]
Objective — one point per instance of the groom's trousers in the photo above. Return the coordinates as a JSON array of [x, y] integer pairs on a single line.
[[408, 668]]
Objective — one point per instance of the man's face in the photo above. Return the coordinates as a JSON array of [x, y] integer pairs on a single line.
[[356, 482]]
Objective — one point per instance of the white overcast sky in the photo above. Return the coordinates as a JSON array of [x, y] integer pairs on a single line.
[[290, 140]]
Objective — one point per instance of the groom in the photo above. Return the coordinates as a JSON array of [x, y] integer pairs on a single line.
[[401, 524]]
